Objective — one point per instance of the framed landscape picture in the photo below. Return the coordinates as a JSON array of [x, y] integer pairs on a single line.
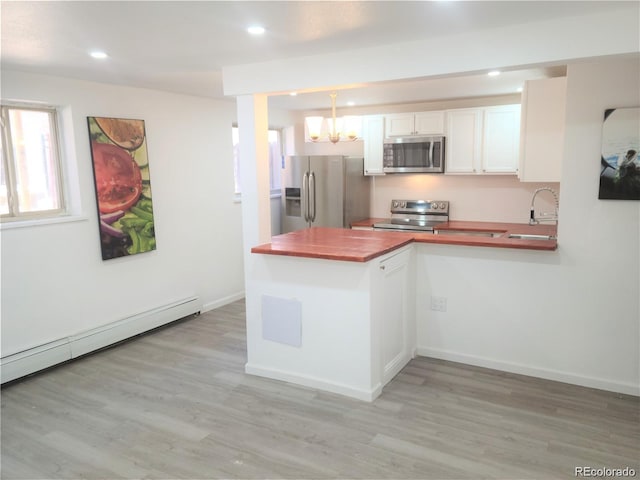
[[122, 186], [619, 164]]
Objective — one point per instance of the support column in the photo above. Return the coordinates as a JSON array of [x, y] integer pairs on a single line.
[[253, 121]]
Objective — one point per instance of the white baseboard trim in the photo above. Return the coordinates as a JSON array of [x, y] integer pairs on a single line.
[[114, 332], [395, 366], [43, 356], [559, 376], [222, 301], [37, 358], [312, 382]]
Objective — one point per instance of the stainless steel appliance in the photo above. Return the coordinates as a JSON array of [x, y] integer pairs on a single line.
[[324, 191], [415, 154], [420, 215]]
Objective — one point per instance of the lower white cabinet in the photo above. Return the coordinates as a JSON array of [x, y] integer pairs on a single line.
[[393, 313], [373, 138], [483, 140]]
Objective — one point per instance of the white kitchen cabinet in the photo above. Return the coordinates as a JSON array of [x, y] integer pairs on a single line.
[[373, 139], [422, 123], [463, 144], [483, 140], [392, 312], [501, 139], [542, 130]]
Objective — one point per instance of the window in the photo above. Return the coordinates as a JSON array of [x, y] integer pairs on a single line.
[[30, 179], [275, 160]]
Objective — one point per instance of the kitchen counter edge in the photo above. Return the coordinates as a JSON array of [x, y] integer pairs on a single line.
[[362, 245]]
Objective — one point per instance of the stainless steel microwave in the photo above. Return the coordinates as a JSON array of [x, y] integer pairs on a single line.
[[415, 154]]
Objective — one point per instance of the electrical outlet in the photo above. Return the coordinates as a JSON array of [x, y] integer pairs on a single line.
[[439, 304]]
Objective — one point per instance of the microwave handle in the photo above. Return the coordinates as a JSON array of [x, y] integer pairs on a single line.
[[431, 153]]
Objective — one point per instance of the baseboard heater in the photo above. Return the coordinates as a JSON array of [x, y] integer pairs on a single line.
[[44, 356]]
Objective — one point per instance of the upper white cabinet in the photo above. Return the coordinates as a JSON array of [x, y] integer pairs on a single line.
[[373, 138], [542, 130], [429, 123], [501, 139], [423, 123], [463, 143], [483, 140]]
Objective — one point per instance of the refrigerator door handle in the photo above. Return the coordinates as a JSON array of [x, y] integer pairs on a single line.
[[305, 196], [312, 192]]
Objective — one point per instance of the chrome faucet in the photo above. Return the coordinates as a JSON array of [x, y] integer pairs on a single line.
[[544, 216]]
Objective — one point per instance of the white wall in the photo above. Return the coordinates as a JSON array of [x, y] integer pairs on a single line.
[[485, 198], [54, 282], [571, 315]]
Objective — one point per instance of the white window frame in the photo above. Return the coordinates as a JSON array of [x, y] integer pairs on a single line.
[[10, 165], [275, 165]]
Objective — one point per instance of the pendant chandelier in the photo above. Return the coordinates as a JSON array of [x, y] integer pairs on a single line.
[[338, 128]]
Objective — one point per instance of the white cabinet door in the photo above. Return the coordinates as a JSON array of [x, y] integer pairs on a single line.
[[501, 139], [429, 123], [423, 123], [542, 130], [392, 311], [399, 124], [373, 137], [463, 140]]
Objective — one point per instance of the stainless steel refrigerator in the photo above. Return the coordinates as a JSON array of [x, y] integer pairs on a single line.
[[324, 191]]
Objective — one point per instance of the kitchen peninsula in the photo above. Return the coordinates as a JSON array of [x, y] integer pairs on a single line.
[[335, 309]]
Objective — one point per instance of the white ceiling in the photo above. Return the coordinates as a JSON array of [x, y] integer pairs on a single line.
[[181, 46]]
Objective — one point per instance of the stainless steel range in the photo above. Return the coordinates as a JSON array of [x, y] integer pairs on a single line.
[[420, 215]]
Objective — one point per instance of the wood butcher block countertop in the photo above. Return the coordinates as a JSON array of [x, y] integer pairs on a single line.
[[335, 244], [502, 240], [363, 245]]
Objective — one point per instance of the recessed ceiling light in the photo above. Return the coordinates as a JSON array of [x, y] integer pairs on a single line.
[[351, 104], [520, 89], [98, 54], [494, 73], [293, 94], [256, 30]]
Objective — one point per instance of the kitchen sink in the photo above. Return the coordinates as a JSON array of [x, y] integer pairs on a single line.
[[531, 236], [469, 233]]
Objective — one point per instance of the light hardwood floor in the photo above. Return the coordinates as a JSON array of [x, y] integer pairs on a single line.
[[176, 403]]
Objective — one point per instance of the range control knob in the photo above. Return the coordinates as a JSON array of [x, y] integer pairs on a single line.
[[443, 206], [394, 204], [434, 206]]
